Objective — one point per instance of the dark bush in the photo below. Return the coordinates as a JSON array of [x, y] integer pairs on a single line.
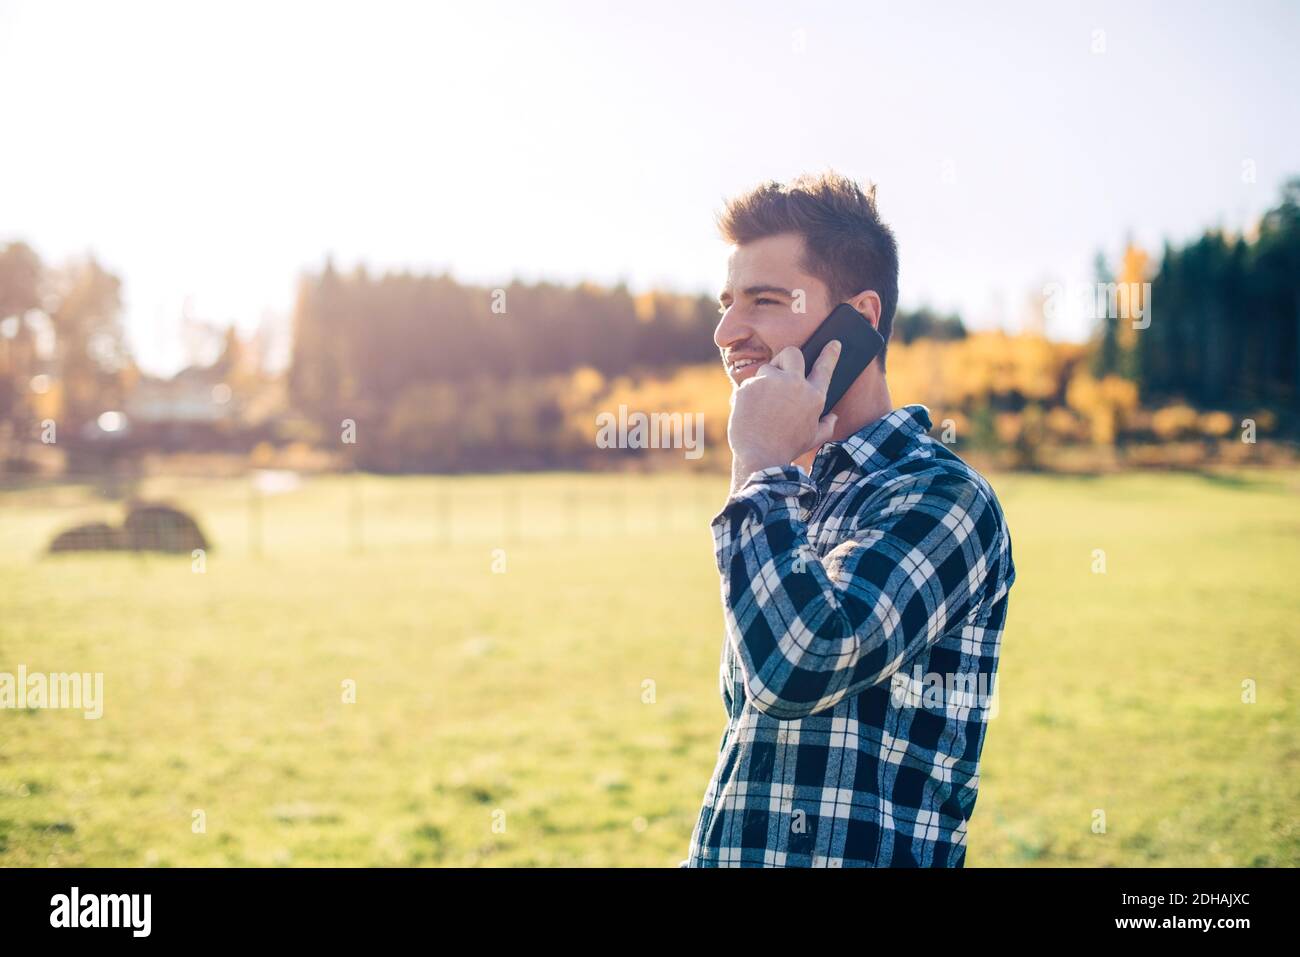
[[161, 528], [149, 527], [91, 537]]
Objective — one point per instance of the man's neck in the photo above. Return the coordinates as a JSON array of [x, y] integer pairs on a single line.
[[866, 401]]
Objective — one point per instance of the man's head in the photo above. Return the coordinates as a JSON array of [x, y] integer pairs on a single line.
[[819, 235]]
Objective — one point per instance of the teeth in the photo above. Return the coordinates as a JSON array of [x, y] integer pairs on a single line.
[[737, 366]]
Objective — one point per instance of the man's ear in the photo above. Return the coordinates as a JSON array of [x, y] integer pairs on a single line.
[[868, 303]]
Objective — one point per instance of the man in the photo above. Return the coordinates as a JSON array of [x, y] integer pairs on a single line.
[[865, 568]]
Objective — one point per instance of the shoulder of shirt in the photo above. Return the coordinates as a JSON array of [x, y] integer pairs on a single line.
[[929, 464]]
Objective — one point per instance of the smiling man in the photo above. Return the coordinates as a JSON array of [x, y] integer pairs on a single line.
[[864, 566]]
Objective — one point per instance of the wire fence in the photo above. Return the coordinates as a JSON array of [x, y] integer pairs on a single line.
[[270, 512]]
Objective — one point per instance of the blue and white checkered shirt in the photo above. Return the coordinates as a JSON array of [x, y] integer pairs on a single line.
[[864, 609]]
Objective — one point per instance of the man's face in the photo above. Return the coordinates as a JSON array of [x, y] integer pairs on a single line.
[[759, 301]]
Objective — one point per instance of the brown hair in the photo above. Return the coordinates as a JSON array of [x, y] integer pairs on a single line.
[[847, 246]]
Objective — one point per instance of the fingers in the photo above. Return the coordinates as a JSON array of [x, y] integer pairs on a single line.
[[825, 366], [825, 429], [789, 359]]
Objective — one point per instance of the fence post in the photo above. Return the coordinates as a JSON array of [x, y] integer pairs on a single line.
[[254, 517], [571, 511], [511, 511], [443, 507], [355, 512]]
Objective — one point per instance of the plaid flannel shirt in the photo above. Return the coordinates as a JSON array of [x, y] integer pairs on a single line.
[[864, 607]]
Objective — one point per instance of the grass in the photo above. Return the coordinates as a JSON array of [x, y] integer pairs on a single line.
[[565, 710]]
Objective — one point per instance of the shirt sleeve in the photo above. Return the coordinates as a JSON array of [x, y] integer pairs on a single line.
[[810, 630]]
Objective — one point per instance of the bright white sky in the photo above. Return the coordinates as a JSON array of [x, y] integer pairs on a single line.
[[211, 151]]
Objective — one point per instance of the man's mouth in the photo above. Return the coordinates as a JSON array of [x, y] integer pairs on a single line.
[[735, 366]]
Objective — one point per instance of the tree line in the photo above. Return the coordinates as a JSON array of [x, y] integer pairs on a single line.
[[63, 352], [1224, 327], [374, 348], [434, 373]]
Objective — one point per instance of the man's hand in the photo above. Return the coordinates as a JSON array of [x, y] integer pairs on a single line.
[[775, 414]]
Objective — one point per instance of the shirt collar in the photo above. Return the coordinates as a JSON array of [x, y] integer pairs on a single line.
[[881, 442]]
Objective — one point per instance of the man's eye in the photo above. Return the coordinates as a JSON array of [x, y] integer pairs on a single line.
[[757, 302]]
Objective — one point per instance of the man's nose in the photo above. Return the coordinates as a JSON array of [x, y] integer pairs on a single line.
[[731, 329]]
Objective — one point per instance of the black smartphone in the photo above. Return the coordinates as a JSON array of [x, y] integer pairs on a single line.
[[860, 343]]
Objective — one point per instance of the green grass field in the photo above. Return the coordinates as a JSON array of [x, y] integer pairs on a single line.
[[501, 718]]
